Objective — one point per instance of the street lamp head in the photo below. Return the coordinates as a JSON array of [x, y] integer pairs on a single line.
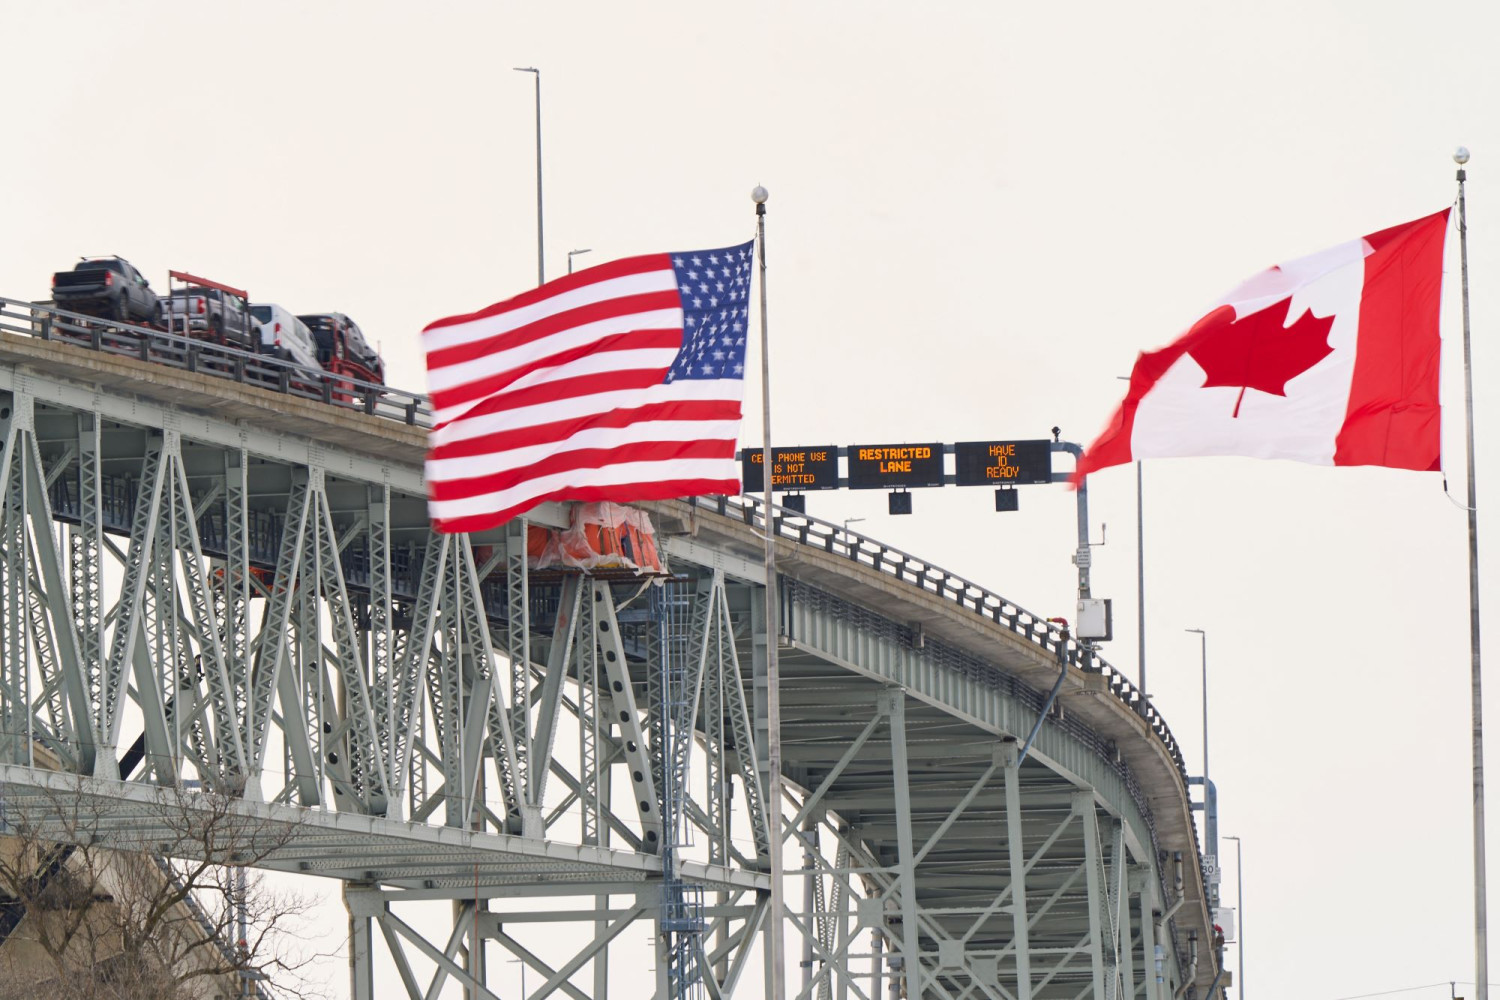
[[1197, 630], [759, 195], [527, 69], [1461, 155]]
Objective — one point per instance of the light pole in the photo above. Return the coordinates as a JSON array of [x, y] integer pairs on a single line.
[[541, 270], [851, 520], [1210, 800], [1203, 637], [1140, 573], [1239, 906], [572, 254]]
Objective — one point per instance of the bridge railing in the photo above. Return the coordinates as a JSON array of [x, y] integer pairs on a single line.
[[144, 343], [1050, 636]]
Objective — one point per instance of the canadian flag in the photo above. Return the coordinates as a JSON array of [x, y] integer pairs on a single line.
[[1330, 359]]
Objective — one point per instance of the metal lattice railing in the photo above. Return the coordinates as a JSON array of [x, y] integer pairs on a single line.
[[206, 357]]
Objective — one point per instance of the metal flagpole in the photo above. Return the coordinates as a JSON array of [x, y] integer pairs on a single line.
[[1481, 930], [775, 941], [541, 267]]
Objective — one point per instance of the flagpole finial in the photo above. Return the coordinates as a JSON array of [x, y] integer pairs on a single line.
[[759, 196], [1461, 155]]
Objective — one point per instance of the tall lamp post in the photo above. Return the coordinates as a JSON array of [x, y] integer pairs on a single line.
[[1140, 573], [1210, 800], [541, 270], [575, 253], [1239, 906], [1203, 642]]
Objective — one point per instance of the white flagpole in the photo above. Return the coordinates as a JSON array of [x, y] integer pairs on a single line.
[[1481, 929], [775, 940]]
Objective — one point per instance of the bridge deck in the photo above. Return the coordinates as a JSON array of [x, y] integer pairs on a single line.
[[969, 667], [345, 846]]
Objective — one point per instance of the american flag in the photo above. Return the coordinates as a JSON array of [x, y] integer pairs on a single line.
[[620, 382]]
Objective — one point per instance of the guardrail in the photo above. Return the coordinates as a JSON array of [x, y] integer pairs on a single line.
[[838, 540], [144, 343], [47, 322]]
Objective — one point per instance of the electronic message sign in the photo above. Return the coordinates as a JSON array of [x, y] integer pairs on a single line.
[[895, 466], [1002, 463], [808, 468]]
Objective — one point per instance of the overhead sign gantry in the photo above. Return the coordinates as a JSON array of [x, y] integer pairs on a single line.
[[1001, 464]]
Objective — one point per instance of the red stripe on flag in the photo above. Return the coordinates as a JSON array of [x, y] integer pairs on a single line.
[[582, 458], [1393, 418], [568, 388], [497, 383], [667, 489], [561, 430], [567, 283], [594, 312]]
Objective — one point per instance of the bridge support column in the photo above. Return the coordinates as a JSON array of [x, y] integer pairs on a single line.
[[1151, 971], [1093, 862], [357, 902], [1020, 921], [1140, 895], [1125, 943], [895, 708]]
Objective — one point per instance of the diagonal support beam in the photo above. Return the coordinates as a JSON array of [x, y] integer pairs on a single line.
[[530, 958]]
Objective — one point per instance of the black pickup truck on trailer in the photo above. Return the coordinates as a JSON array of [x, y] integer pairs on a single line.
[[107, 287]]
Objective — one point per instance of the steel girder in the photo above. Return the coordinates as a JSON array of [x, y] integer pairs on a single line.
[[274, 619], [282, 627], [981, 876]]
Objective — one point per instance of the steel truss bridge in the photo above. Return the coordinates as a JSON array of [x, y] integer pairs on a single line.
[[217, 573]]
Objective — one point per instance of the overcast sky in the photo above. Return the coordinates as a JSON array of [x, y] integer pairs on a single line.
[[979, 214]]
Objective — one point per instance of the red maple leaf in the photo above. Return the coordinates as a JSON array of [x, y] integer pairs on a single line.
[[1258, 351]]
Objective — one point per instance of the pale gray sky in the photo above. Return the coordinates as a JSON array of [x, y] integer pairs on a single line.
[[979, 214]]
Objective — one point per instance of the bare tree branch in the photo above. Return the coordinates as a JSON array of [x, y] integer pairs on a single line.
[[90, 910]]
